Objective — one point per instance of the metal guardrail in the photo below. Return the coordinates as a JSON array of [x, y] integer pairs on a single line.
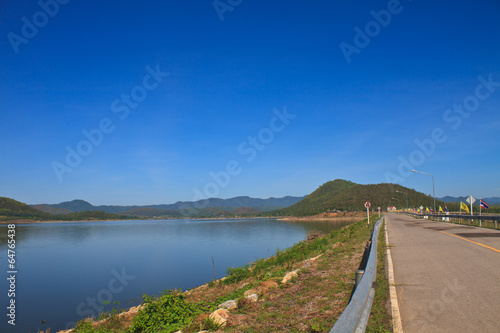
[[355, 315], [450, 217], [461, 216]]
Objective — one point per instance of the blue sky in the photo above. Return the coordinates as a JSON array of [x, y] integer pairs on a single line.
[[181, 104]]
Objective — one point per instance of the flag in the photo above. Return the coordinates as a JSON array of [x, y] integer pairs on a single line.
[[427, 209], [446, 208], [441, 209], [464, 207], [484, 204]]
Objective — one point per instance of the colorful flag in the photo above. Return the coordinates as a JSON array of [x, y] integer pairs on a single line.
[[446, 208], [484, 204], [441, 209], [427, 209], [464, 207]]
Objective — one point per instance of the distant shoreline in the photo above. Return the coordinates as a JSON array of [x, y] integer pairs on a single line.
[[139, 219]]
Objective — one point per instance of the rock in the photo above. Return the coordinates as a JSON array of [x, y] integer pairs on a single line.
[[313, 235], [220, 316], [262, 288], [289, 276], [231, 304], [252, 298], [250, 292]]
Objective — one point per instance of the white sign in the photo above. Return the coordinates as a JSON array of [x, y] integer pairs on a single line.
[[471, 199], [368, 204]]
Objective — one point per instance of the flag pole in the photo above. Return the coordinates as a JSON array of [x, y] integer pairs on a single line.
[[460, 213], [470, 198], [480, 206]]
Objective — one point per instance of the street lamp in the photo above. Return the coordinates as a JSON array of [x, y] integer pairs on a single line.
[[433, 193], [397, 200], [406, 197]]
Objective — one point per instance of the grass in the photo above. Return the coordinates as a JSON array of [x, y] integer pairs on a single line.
[[380, 319]]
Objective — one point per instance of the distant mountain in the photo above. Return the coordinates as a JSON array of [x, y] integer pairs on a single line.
[[75, 206], [345, 195], [11, 209], [245, 211], [452, 199], [51, 210], [262, 205], [490, 200]]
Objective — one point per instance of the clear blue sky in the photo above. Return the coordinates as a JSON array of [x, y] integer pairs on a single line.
[[156, 138]]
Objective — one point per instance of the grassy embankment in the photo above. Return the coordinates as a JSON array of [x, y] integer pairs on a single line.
[[311, 302], [380, 319]]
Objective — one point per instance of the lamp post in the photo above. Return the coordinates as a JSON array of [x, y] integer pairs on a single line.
[[433, 193], [406, 195], [397, 201]]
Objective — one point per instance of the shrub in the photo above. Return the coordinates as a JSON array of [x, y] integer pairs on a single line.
[[167, 313]]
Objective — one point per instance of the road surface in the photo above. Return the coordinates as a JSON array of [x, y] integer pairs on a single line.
[[447, 276]]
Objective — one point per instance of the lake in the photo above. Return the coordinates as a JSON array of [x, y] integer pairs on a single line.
[[66, 270]]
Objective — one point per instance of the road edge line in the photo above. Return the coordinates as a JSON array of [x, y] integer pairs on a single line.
[[397, 326]]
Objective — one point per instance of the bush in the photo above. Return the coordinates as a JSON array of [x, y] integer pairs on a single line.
[[167, 313], [236, 274]]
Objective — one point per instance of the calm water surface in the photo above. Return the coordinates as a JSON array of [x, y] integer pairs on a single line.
[[65, 270]]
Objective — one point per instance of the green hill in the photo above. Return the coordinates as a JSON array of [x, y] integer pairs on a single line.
[[347, 196], [11, 209], [76, 206]]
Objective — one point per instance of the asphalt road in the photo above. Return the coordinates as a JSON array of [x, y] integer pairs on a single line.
[[445, 283]]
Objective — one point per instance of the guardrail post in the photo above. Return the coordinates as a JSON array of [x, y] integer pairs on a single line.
[[359, 275]]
